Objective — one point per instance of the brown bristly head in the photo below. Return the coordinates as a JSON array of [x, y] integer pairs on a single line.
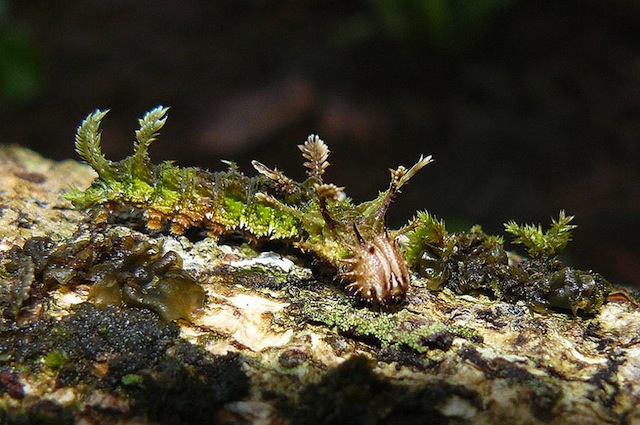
[[377, 271]]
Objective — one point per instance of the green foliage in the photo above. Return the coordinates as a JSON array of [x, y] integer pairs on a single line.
[[428, 233], [132, 380], [88, 139], [55, 359], [150, 125], [539, 243], [137, 168]]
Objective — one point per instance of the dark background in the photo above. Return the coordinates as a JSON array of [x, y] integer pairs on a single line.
[[529, 107]]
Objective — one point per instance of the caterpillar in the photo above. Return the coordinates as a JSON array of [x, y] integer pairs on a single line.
[[311, 215]]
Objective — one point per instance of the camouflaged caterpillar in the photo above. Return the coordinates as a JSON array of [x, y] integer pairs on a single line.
[[312, 215]]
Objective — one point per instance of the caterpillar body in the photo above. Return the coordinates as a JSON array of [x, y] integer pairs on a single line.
[[312, 215]]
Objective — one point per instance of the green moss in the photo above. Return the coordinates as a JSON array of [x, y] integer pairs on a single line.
[[428, 234], [132, 379], [539, 243], [55, 359], [474, 262], [396, 330]]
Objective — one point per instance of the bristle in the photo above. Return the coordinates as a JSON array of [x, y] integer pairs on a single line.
[[282, 182]]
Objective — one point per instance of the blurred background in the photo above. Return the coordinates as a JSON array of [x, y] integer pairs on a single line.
[[529, 107]]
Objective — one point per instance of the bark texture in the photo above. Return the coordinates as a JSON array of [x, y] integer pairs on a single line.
[[277, 341]]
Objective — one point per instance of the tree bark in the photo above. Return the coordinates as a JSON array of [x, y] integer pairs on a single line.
[[278, 341]]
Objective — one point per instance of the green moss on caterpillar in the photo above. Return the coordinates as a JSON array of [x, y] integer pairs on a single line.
[[312, 215]]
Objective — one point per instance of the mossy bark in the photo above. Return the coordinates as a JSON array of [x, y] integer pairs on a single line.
[[279, 342]]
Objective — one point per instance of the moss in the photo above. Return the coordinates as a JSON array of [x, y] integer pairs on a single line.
[[474, 263], [539, 243], [428, 234], [398, 330], [132, 379], [548, 284], [55, 359]]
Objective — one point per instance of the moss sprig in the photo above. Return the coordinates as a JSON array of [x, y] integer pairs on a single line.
[[538, 243], [88, 138], [150, 125], [428, 231]]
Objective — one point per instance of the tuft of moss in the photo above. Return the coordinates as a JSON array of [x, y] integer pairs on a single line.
[[549, 243], [55, 359], [474, 262], [399, 330], [429, 233]]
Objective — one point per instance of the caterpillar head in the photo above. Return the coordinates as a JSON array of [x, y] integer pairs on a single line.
[[377, 271]]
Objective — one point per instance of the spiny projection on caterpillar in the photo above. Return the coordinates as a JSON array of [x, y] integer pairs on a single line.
[[313, 215]]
